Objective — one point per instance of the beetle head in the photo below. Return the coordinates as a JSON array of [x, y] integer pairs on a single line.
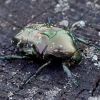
[[75, 59]]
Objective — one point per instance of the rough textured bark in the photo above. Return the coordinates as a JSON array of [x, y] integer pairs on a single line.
[[52, 83]]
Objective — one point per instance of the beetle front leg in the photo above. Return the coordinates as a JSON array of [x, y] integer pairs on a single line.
[[36, 73], [12, 57], [66, 69], [87, 43]]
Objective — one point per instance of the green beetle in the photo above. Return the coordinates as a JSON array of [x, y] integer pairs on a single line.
[[48, 42]]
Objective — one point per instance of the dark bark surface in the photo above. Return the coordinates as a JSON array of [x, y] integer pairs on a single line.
[[52, 83]]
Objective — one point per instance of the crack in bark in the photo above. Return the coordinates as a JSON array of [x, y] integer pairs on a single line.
[[80, 92], [42, 12], [96, 84]]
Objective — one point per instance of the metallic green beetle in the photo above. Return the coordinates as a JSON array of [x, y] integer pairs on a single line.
[[48, 42]]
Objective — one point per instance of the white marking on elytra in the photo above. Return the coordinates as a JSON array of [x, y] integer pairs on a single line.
[[39, 37], [51, 47], [61, 50], [53, 43], [61, 46], [38, 42], [55, 50]]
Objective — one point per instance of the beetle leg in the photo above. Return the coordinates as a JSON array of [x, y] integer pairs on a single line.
[[66, 69], [12, 57], [36, 73], [87, 43]]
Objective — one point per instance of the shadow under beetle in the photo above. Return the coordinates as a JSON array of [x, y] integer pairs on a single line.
[[48, 42]]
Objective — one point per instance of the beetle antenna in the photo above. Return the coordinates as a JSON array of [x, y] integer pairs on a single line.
[[49, 21], [87, 43], [49, 24], [69, 74]]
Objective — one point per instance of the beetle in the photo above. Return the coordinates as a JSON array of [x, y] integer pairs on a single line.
[[48, 42]]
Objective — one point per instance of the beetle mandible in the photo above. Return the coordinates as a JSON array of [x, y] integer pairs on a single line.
[[48, 42]]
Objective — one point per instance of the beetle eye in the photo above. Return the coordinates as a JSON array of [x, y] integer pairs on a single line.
[[72, 59]]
